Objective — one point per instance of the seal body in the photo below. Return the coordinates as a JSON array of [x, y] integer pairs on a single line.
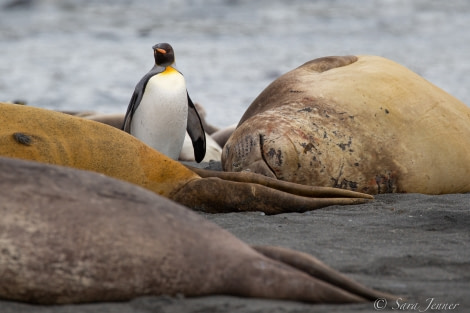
[[213, 149], [56, 138], [70, 236], [112, 119], [360, 123]]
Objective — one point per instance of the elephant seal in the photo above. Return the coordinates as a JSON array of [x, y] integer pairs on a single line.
[[213, 150], [209, 128], [117, 119], [111, 119], [56, 138], [361, 123], [222, 135], [71, 236]]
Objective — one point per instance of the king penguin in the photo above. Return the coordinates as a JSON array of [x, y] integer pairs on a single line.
[[161, 111]]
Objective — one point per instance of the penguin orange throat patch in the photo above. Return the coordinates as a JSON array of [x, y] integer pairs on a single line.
[[169, 70]]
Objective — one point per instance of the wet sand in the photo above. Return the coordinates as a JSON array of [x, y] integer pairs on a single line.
[[413, 245]]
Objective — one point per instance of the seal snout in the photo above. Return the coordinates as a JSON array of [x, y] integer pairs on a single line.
[[248, 155]]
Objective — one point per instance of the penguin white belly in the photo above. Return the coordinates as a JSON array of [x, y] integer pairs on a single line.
[[160, 119]]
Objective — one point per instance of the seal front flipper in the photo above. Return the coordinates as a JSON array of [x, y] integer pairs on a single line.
[[280, 185], [235, 196], [196, 132]]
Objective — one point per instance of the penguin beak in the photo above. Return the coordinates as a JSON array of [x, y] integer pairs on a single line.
[[162, 51]]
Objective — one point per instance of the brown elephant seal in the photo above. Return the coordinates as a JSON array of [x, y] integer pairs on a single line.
[[213, 150], [111, 119], [222, 135], [70, 236], [52, 137], [117, 119], [360, 123], [208, 128]]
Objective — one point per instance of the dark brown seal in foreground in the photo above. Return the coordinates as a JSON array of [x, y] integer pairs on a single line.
[[70, 236]]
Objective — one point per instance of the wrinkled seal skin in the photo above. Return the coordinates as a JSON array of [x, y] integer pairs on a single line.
[[360, 123], [56, 138], [71, 236]]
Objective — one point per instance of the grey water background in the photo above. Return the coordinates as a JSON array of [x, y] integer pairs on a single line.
[[88, 55]]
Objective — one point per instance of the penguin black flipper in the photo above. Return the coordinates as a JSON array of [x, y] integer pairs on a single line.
[[137, 97], [133, 104], [196, 132]]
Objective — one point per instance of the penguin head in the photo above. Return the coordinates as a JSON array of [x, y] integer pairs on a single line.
[[164, 54]]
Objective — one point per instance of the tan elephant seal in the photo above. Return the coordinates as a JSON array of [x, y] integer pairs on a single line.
[[117, 119], [360, 123], [222, 135], [213, 150], [56, 138], [70, 236], [208, 128], [111, 119]]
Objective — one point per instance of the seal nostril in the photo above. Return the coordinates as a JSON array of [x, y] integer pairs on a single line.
[[22, 139]]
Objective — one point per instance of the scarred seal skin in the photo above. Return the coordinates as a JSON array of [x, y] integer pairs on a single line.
[[72, 236], [360, 123]]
